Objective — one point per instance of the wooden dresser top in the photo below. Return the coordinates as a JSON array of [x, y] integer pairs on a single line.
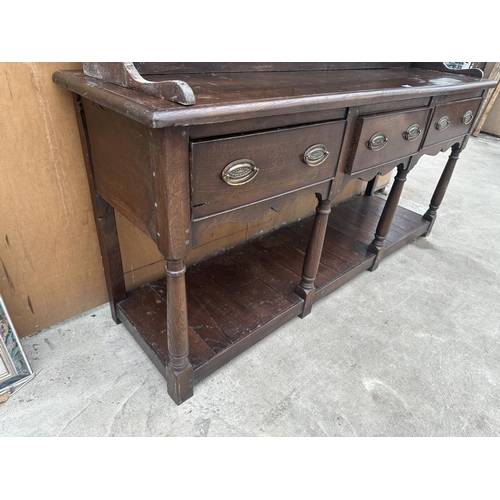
[[232, 95]]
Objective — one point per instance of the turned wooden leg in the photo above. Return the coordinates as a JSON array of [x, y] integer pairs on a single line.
[[105, 220], [441, 187], [384, 225], [179, 370], [306, 289]]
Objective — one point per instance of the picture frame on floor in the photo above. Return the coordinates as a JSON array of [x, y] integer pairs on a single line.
[[15, 369]]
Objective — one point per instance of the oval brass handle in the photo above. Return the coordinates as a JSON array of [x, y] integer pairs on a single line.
[[315, 155], [412, 132], [377, 141], [468, 116], [442, 123], [239, 172]]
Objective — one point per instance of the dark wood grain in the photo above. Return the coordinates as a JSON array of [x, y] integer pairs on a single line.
[[367, 211], [120, 149], [160, 164], [234, 318], [356, 220], [244, 287], [442, 186], [374, 206], [373, 211], [346, 249], [104, 215], [347, 228], [228, 97], [272, 272], [346, 219], [170, 161], [146, 310], [264, 123], [387, 216], [454, 111], [254, 86], [169, 152], [277, 121], [289, 255], [277, 155], [200, 320], [333, 258], [165, 68], [223, 324], [258, 210], [393, 126], [306, 289], [126, 75]]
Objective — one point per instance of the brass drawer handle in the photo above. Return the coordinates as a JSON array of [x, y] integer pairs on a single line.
[[412, 132], [443, 123], [239, 172], [468, 117], [315, 155], [377, 141]]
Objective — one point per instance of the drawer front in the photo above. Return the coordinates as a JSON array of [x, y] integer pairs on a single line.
[[383, 138], [232, 172], [452, 120]]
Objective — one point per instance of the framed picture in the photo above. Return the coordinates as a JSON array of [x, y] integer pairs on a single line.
[[7, 369], [15, 370]]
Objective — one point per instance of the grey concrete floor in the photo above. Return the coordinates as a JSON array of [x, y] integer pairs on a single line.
[[409, 350]]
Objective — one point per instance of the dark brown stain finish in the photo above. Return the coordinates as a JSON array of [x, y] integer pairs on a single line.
[[256, 138]]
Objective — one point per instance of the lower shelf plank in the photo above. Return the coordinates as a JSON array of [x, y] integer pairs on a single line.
[[237, 298]]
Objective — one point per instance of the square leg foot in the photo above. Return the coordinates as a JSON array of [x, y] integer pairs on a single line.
[[308, 297], [180, 385]]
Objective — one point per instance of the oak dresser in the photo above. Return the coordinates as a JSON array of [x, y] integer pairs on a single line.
[[179, 148]]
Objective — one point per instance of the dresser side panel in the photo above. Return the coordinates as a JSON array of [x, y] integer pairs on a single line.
[[119, 148]]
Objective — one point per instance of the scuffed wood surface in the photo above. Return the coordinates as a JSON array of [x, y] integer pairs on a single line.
[[165, 68], [240, 294], [50, 264], [225, 96], [126, 75]]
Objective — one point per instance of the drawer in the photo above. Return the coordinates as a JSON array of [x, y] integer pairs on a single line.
[[383, 138], [452, 120], [231, 172]]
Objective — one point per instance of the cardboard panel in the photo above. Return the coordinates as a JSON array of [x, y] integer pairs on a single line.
[[492, 123], [50, 267]]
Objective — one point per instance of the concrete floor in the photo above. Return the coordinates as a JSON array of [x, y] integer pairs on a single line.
[[409, 350]]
